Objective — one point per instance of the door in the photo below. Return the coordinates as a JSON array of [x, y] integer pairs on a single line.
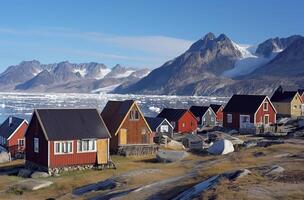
[[123, 137], [266, 119], [244, 121], [102, 151]]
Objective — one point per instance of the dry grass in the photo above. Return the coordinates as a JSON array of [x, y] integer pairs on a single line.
[[240, 189]]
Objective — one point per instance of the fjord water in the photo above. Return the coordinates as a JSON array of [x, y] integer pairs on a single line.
[[22, 104]]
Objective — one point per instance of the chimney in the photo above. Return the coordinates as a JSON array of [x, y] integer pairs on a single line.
[[10, 121]]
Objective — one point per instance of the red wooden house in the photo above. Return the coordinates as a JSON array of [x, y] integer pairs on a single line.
[[218, 109], [12, 135], [58, 138], [127, 125], [182, 120], [248, 111]]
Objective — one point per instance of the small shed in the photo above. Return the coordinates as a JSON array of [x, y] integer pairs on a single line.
[[160, 126], [204, 114]]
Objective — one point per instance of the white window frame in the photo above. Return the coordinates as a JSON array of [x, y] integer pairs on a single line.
[[229, 118], [212, 119], [132, 115], [36, 145], [164, 128], [63, 147], [265, 103], [79, 142], [183, 124], [19, 140]]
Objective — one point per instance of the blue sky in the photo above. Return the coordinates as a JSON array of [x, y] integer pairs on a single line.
[[138, 33]]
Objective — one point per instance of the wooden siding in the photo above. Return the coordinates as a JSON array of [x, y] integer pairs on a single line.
[[35, 131], [134, 129], [220, 115], [287, 108], [75, 158], [189, 121], [102, 151], [170, 129], [12, 144], [208, 118], [259, 117], [235, 119]]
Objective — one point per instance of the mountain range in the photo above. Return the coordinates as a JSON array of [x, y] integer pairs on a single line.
[[33, 76], [213, 65], [219, 66]]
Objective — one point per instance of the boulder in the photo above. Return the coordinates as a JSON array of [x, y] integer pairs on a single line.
[[38, 174], [33, 184], [250, 143], [5, 157], [233, 132], [171, 156], [221, 147], [24, 173], [275, 169], [173, 144]]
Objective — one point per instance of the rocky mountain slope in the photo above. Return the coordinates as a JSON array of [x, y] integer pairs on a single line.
[[67, 77], [219, 66]]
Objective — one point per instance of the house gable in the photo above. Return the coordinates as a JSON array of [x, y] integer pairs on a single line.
[[141, 117]]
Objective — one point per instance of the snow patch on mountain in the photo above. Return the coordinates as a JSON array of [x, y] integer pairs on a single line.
[[125, 74], [248, 63], [102, 73], [81, 71]]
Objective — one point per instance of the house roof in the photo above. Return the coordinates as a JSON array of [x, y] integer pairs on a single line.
[[155, 122], [115, 112], [286, 96], [215, 107], [172, 114], [72, 124], [244, 103], [7, 130], [199, 111]]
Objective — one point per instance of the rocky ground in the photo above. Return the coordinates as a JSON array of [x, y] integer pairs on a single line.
[[272, 171]]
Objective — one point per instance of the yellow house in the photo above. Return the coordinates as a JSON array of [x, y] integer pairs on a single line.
[[287, 103]]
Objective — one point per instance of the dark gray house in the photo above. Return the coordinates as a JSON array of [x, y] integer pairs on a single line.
[[160, 126], [204, 114]]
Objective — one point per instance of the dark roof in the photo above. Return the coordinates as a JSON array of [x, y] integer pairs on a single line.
[[6, 130], [172, 114], [301, 91], [215, 107], [154, 122], [114, 112], [244, 103], [72, 124], [286, 96], [198, 111]]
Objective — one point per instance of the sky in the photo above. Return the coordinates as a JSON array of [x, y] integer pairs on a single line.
[[137, 33]]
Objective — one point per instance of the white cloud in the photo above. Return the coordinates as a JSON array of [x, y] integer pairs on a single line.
[[155, 44]]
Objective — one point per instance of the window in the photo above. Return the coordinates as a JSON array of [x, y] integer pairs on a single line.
[[183, 124], [86, 145], [134, 115], [295, 107], [64, 147], [212, 119], [209, 112], [164, 128], [36, 145], [2, 141], [265, 106], [21, 142], [266, 119], [229, 118], [204, 119]]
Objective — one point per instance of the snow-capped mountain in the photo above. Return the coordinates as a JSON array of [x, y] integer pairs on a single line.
[[66, 77], [219, 66]]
